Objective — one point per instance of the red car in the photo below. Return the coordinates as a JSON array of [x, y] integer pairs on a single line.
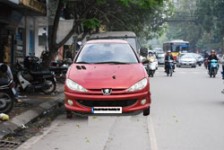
[[107, 77]]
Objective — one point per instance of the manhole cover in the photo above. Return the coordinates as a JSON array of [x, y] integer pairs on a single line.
[[8, 145]]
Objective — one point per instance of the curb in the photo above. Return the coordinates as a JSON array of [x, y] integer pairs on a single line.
[[20, 121]]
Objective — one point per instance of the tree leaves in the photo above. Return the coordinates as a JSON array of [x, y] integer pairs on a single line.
[[91, 23], [144, 17]]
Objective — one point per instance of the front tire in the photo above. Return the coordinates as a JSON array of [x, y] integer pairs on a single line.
[[51, 88], [69, 114], [6, 102], [170, 72], [146, 112]]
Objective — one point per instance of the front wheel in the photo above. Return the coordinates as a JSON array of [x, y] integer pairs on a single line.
[[6, 102], [146, 112], [50, 86], [167, 73], [69, 114], [171, 72], [214, 73]]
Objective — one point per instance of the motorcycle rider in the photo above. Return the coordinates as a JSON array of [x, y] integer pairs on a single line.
[[150, 55], [168, 56], [143, 53], [210, 57]]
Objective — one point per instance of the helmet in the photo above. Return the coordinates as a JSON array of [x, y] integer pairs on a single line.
[[213, 51], [169, 51], [143, 51]]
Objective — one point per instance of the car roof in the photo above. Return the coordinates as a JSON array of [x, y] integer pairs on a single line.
[[107, 41]]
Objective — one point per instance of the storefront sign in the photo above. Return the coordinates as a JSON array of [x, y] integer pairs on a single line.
[[38, 6]]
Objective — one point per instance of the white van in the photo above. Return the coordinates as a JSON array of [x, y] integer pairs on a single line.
[[129, 36]]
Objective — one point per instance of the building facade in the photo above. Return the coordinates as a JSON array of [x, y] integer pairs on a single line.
[[19, 28]]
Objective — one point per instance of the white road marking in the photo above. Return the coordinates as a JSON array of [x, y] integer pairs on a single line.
[[152, 135]]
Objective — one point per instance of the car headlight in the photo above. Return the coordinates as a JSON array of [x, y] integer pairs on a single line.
[[74, 86], [138, 86]]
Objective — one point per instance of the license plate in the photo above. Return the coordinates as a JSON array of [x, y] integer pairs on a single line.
[[107, 110]]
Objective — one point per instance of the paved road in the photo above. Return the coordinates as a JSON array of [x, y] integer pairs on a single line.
[[187, 114], [188, 110]]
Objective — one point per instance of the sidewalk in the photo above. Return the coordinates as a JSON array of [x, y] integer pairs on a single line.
[[29, 109]]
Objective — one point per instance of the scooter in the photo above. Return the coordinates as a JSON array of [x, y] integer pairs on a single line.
[[59, 69], [213, 69], [152, 66], [7, 91], [37, 79], [169, 66]]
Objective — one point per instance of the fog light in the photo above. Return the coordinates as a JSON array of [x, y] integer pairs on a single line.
[[143, 101], [70, 102]]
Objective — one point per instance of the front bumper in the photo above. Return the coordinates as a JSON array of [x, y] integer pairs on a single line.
[[187, 64], [130, 102]]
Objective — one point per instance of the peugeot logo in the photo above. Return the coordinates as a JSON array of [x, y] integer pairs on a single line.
[[106, 91]]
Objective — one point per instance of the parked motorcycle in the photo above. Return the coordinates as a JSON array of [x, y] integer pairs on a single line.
[[7, 90], [169, 65], [59, 68], [213, 69], [32, 77]]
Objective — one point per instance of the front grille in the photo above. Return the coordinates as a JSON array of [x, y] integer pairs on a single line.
[[99, 91], [100, 103]]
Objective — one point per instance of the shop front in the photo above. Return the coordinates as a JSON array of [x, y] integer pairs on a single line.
[[17, 32]]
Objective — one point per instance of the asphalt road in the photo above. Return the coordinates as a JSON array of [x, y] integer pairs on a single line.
[[188, 110], [186, 114]]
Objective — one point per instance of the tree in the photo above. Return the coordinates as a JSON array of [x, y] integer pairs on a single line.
[[183, 24], [143, 17], [210, 15]]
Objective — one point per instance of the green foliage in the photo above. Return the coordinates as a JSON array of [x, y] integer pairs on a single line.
[[124, 2], [141, 3], [91, 23], [182, 24], [145, 17], [100, 2], [210, 14]]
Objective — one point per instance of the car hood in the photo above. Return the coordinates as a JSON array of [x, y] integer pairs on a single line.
[[98, 76]]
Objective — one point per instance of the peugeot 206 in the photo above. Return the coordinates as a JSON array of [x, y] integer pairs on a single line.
[[107, 77]]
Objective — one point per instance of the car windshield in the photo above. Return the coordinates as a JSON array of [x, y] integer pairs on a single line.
[[115, 53], [187, 56], [161, 55]]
